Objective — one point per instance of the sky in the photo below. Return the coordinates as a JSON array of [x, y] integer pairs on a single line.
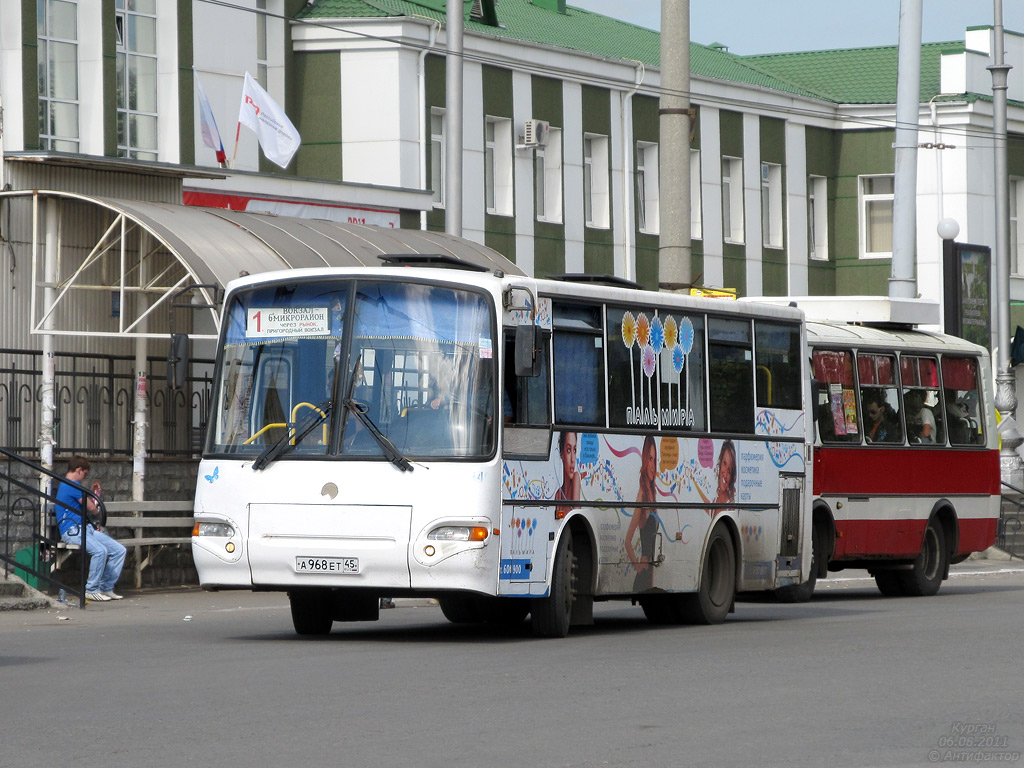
[[774, 26]]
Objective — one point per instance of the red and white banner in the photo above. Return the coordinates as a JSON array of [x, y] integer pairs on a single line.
[[260, 113]]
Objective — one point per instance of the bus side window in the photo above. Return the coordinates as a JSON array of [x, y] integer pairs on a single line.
[[962, 398], [578, 361], [731, 368], [837, 398], [922, 412], [777, 348], [525, 400]]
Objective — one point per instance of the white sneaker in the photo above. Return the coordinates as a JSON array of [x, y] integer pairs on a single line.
[[97, 597], [112, 595]]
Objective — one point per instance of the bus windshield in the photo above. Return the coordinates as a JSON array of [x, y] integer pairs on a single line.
[[326, 364]]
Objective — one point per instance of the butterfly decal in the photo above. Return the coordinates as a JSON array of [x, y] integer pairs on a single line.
[[214, 476]]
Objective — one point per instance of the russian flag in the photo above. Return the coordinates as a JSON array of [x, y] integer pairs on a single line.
[[211, 136]]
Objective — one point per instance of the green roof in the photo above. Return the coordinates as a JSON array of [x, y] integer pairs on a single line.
[[854, 75], [850, 76], [576, 29]]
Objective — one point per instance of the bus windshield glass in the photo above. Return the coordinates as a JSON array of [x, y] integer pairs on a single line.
[[415, 360]]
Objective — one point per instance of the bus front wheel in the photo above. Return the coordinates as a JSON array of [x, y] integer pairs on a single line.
[[714, 599], [311, 612], [925, 577], [551, 615]]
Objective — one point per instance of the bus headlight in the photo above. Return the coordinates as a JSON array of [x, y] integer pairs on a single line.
[[213, 529], [458, 533]]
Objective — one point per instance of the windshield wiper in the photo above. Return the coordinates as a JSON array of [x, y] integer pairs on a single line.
[[289, 438], [391, 453]]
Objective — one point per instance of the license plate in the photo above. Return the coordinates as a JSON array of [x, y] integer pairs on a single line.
[[327, 564]]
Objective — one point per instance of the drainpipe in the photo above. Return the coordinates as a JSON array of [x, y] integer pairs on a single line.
[[424, 118], [628, 222]]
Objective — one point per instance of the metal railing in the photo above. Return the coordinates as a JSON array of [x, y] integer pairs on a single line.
[[1009, 535], [94, 399], [43, 542]]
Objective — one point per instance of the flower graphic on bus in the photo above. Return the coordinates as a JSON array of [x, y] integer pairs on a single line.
[[671, 331], [628, 337], [657, 335]]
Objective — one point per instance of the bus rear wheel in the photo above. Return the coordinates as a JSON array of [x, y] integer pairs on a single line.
[[312, 612], [925, 577], [551, 615], [714, 599]]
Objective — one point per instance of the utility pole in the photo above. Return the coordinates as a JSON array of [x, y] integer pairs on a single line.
[[903, 278], [674, 258], [453, 119], [1006, 394]]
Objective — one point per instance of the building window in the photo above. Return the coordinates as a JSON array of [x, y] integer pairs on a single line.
[[647, 209], [136, 79], [498, 166], [732, 199], [876, 195], [57, 63], [437, 158], [696, 219], [548, 177], [771, 205], [817, 217], [261, 43], [595, 181], [1016, 232]]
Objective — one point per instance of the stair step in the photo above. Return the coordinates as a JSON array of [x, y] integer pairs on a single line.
[[23, 603], [11, 588]]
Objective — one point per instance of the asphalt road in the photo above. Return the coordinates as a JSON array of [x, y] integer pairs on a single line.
[[185, 678]]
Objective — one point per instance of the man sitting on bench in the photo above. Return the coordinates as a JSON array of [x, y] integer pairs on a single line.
[[106, 555]]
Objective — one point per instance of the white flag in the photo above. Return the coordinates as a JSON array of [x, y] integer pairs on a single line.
[[274, 130]]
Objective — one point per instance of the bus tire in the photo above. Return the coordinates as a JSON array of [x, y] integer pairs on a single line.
[[551, 614], [801, 593], [711, 603], [889, 583], [925, 577], [311, 612], [460, 609]]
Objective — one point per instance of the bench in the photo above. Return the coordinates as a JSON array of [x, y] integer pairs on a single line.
[[141, 517], [144, 516]]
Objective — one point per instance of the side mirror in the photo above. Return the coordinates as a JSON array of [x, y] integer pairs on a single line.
[[528, 359], [815, 398], [177, 361]]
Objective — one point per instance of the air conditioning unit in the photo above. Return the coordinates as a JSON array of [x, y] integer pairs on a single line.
[[535, 133]]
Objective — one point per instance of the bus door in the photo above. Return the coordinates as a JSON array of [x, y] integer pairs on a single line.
[[527, 544], [791, 548]]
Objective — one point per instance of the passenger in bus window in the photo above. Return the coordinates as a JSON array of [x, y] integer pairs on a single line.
[[920, 420], [645, 520], [569, 490], [882, 423]]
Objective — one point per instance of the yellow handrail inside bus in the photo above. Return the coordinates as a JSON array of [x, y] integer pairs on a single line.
[[264, 429], [295, 410], [767, 373], [279, 425]]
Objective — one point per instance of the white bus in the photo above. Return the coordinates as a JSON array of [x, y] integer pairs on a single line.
[[512, 447]]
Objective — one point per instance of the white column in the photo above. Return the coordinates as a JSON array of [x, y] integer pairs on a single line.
[[752, 205], [572, 164], [796, 210], [711, 196], [522, 109]]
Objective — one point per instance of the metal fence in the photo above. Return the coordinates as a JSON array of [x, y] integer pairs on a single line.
[[1009, 533], [94, 399]]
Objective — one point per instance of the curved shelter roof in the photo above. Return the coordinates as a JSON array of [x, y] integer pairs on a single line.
[[161, 249]]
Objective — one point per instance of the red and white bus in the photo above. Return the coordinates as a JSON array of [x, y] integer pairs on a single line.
[[906, 460]]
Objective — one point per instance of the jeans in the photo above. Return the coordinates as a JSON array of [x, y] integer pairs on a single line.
[[106, 558]]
